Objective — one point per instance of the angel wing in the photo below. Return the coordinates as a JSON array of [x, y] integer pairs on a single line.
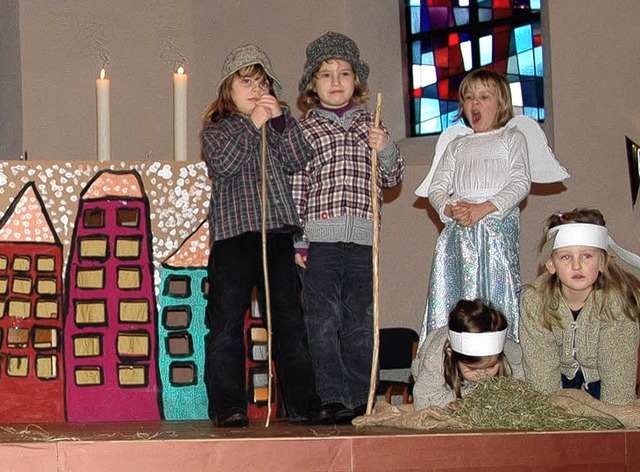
[[445, 138], [543, 164]]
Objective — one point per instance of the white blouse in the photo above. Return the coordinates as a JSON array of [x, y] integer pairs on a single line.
[[493, 166]]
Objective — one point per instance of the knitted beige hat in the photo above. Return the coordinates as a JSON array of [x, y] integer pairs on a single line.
[[245, 56], [333, 46]]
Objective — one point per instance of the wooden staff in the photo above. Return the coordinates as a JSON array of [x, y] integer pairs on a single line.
[[265, 270], [376, 237]]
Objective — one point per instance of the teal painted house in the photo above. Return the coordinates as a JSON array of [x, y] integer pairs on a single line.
[[181, 328]]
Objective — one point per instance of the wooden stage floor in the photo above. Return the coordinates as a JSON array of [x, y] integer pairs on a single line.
[[189, 446]]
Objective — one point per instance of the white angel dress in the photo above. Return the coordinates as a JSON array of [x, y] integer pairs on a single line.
[[483, 260]]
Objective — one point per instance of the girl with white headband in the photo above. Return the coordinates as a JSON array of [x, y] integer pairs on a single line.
[[579, 326], [472, 347]]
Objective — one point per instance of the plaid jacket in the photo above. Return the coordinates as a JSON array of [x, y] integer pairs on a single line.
[[337, 181], [231, 148]]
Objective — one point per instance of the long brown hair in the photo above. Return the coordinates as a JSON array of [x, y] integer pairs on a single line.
[[223, 104], [613, 280], [472, 316]]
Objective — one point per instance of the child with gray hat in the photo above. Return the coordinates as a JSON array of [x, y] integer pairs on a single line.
[[247, 100], [333, 197]]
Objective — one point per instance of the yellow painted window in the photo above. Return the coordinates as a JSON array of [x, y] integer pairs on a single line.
[[134, 311], [88, 376], [93, 247], [91, 312], [86, 346], [47, 367], [47, 309], [45, 264], [130, 375], [90, 278], [17, 366]]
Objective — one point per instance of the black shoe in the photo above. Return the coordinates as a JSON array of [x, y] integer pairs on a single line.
[[232, 418], [323, 415], [337, 413], [360, 410]]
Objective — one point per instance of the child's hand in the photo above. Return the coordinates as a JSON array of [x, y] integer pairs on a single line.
[[267, 107], [468, 214], [301, 260], [460, 212], [378, 139]]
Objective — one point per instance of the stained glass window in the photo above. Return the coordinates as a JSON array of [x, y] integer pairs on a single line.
[[446, 39]]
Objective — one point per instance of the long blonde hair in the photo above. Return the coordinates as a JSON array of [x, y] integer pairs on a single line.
[[613, 280]]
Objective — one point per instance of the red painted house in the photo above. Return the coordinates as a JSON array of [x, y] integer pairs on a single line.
[[31, 367], [110, 327]]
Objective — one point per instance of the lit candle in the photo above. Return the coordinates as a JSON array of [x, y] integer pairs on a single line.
[[180, 115], [103, 117]]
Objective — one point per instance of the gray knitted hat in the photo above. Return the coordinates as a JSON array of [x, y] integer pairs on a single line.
[[332, 46], [246, 56]]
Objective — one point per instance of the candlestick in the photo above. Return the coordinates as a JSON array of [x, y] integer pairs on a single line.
[[103, 117], [180, 115]]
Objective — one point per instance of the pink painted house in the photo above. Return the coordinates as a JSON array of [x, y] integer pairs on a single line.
[[110, 328]]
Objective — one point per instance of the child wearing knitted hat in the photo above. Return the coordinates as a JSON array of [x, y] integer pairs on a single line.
[[231, 146], [333, 197]]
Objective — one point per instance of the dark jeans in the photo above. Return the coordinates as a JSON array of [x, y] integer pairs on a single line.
[[592, 389], [235, 268], [338, 306]]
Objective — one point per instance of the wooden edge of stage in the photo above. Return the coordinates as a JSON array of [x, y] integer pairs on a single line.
[[187, 446]]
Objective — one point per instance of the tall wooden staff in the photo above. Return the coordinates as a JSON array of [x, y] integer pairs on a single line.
[[265, 270], [376, 237]]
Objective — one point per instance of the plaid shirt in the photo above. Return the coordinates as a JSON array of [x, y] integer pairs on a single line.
[[232, 150], [337, 181]]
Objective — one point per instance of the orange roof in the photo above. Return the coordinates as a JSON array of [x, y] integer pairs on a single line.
[[28, 222], [110, 184], [194, 252]]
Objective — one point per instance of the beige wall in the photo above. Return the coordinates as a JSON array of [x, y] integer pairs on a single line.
[[594, 98], [10, 82]]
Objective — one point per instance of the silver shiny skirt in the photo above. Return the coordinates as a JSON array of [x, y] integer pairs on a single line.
[[480, 261]]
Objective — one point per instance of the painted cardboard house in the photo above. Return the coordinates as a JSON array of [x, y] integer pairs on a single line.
[[110, 327], [103, 294], [31, 373], [181, 328]]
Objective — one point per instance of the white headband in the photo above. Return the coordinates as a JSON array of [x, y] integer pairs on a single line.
[[488, 343], [579, 234], [587, 234]]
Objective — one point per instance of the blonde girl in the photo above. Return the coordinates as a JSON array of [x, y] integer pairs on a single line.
[[579, 326], [476, 188]]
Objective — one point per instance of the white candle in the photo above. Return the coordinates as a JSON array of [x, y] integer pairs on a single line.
[[180, 115], [103, 117]]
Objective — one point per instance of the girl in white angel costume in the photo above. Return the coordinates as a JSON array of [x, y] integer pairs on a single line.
[[478, 177]]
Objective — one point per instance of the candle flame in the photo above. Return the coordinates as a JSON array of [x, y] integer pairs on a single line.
[[180, 70], [103, 73]]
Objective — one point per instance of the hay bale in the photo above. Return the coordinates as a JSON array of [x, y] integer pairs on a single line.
[[508, 403]]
